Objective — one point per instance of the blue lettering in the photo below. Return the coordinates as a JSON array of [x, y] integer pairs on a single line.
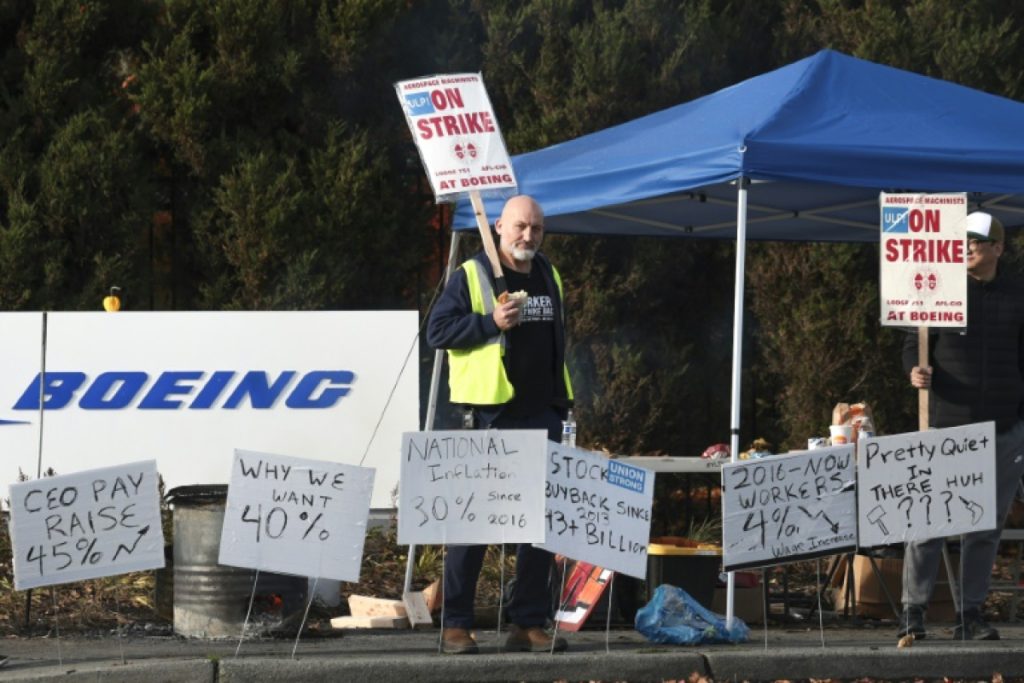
[[261, 393], [58, 390], [214, 386], [113, 390], [167, 385], [302, 396]]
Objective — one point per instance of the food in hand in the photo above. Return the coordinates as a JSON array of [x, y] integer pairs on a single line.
[[518, 297]]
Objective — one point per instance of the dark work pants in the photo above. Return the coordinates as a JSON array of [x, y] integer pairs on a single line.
[[530, 603], [977, 550]]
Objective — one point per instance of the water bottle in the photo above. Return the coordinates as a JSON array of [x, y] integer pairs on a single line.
[[569, 431]]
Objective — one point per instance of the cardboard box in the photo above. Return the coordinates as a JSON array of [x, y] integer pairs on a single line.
[[870, 599]]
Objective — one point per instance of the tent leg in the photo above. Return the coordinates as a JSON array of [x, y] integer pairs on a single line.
[[737, 359], [435, 380]]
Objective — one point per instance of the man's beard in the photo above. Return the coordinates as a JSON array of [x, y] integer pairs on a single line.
[[522, 254]]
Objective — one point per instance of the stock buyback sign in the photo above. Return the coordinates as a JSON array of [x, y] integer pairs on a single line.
[[188, 388]]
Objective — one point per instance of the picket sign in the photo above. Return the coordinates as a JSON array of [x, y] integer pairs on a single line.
[[456, 132], [99, 522], [922, 261], [788, 507], [483, 486], [930, 484], [598, 510], [296, 516]]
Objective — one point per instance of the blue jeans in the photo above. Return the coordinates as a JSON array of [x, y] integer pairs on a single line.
[[530, 604]]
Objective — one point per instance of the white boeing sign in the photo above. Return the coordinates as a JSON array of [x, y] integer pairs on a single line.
[[188, 388]]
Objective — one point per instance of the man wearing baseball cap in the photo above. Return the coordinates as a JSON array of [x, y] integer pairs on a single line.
[[976, 375]]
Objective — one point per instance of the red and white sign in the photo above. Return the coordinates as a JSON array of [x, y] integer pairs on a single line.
[[455, 129], [923, 278]]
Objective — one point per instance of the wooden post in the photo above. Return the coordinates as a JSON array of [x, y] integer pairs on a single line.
[[488, 240], [922, 394]]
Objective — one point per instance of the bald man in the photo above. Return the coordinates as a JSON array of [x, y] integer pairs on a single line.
[[507, 367]]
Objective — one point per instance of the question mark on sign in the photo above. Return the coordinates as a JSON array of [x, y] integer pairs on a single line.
[[927, 508], [910, 504], [948, 495]]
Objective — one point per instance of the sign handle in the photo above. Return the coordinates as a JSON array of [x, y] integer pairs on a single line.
[[922, 394], [488, 240]]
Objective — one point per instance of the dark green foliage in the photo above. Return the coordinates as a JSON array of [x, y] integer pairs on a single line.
[[251, 154], [73, 184], [819, 341]]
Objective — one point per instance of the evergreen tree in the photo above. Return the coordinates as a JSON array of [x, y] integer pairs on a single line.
[[820, 302], [73, 196], [277, 128], [647, 317]]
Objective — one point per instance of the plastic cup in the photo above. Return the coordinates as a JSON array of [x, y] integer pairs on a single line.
[[840, 434]]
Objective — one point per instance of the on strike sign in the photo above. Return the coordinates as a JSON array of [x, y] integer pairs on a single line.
[[923, 280], [455, 129], [86, 525], [296, 516]]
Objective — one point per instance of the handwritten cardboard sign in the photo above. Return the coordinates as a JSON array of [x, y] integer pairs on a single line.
[[922, 280], [921, 485], [455, 129], [788, 507], [598, 510], [296, 516], [479, 486], [94, 523]]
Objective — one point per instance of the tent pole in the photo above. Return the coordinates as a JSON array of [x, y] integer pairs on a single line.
[[435, 380], [737, 358]]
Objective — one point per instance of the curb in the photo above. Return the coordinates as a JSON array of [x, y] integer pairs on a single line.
[[504, 667], [151, 671]]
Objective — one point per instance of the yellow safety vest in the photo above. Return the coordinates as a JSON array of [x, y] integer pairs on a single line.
[[477, 376]]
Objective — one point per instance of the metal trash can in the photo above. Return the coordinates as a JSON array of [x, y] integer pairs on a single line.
[[211, 600]]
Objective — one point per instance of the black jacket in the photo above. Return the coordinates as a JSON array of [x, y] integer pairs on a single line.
[[978, 371], [453, 325]]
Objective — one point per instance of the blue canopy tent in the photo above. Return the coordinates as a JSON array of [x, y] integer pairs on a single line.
[[800, 153], [818, 139]]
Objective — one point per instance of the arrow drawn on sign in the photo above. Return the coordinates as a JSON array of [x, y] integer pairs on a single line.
[[976, 510], [121, 546], [834, 526]]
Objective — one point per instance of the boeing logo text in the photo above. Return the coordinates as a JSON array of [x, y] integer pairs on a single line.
[[189, 389]]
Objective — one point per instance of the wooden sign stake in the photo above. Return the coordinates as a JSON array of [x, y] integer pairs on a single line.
[[922, 394], [488, 240]]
